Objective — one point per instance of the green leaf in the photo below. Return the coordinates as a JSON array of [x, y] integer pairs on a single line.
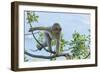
[[32, 17]]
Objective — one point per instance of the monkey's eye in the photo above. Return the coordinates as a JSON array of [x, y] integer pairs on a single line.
[[58, 29]]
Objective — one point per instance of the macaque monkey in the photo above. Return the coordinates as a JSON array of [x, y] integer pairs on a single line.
[[51, 33]]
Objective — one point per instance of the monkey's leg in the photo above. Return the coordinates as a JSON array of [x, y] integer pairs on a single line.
[[49, 47], [48, 40], [57, 46]]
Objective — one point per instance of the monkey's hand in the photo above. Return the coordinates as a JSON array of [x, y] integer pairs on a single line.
[[31, 29]]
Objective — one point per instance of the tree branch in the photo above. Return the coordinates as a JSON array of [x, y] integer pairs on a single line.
[[45, 57], [87, 55]]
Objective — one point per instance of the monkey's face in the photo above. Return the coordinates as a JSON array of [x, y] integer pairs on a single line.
[[57, 30]]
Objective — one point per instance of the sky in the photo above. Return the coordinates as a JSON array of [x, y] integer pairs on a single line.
[[69, 22]]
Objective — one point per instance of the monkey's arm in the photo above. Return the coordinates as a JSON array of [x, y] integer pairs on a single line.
[[58, 45], [39, 28]]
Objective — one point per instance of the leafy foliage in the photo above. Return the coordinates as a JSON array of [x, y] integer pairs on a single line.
[[32, 17], [78, 44], [41, 37]]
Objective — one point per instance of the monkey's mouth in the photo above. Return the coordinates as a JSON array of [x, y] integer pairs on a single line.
[[57, 32]]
